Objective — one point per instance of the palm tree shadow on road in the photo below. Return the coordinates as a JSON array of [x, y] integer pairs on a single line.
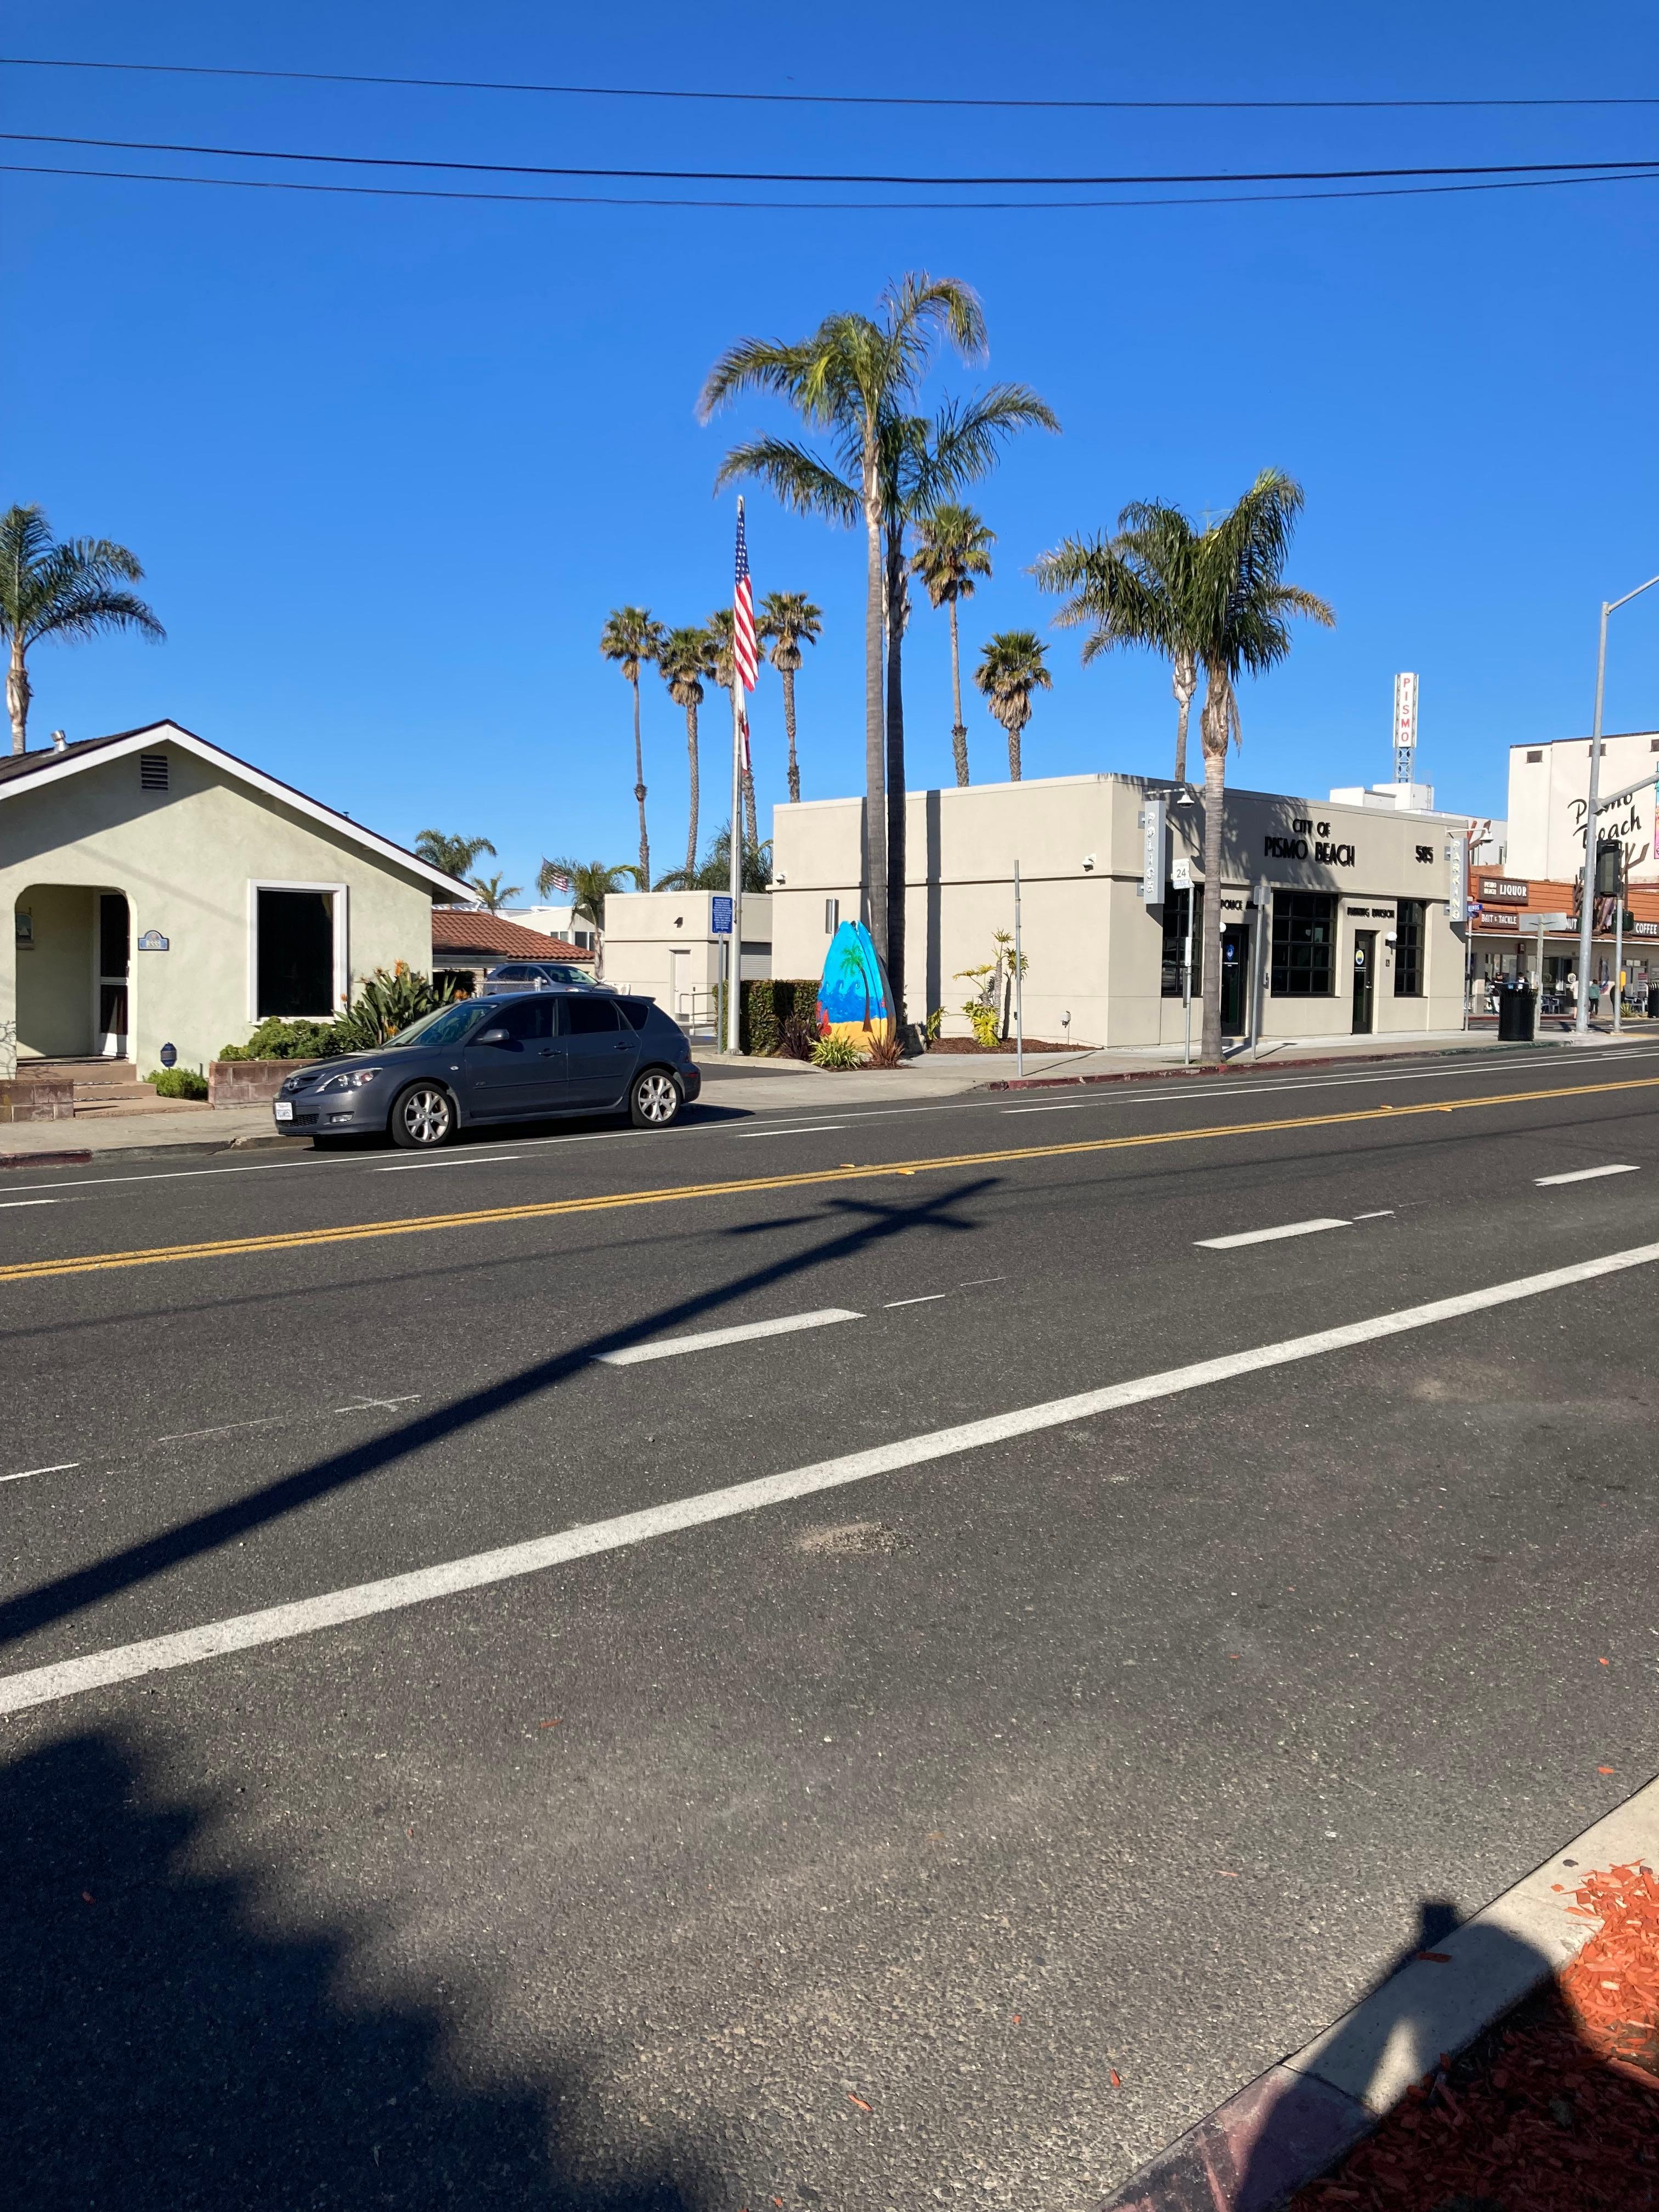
[[869, 1224], [166, 2051]]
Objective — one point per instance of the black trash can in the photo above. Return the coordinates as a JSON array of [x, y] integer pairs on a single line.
[[1517, 1009]]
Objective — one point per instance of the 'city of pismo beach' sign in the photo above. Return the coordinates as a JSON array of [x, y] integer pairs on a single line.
[[1297, 846]]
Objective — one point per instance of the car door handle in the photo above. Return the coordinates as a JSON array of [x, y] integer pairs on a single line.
[[624, 1046]]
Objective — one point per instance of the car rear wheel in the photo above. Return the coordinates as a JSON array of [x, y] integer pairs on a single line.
[[655, 1099], [423, 1117]]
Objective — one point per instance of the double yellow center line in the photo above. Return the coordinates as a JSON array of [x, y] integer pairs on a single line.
[[484, 1217]]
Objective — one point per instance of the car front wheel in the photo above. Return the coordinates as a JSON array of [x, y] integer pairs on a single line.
[[423, 1117], [655, 1099]]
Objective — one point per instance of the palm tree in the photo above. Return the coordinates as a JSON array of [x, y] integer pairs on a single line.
[[852, 369], [719, 629], [629, 636], [953, 546], [1134, 589], [1223, 598], [1011, 668], [69, 589], [714, 874], [589, 884], [454, 856], [789, 620], [492, 894], [918, 464], [683, 659]]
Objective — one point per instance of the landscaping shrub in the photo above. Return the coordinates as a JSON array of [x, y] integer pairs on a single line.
[[389, 1002], [835, 1052], [178, 1083], [275, 1039], [886, 1052], [771, 1005]]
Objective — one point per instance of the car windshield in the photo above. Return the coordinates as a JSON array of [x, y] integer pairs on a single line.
[[447, 1026]]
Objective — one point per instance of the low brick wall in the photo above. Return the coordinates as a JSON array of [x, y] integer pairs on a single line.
[[37, 1102], [248, 1082]]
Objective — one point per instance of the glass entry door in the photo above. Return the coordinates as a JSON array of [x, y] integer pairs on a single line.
[[1365, 979], [1235, 978], [114, 961]]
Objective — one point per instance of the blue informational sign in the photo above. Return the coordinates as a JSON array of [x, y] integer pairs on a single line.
[[169, 1055], [719, 915]]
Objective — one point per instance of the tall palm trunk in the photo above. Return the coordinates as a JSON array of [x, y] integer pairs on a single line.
[[639, 791], [1184, 685], [897, 601], [958, 728], [1015, 726], [751, 821], [788, 675], [1215, 724], [692, 757], [17, 696], [875, 770]]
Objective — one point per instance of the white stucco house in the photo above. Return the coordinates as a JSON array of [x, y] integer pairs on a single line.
[[165, 892]]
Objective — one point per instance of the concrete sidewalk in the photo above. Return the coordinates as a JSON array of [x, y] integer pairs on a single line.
[[784, 1087]]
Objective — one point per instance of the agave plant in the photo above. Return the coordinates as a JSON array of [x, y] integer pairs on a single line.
[[389, 1002]]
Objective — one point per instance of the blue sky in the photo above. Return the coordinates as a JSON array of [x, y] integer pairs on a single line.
[[389, 463]]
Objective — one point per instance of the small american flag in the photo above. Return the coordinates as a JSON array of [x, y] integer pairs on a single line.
[[742, 614]]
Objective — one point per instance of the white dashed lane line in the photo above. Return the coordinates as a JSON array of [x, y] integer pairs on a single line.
[[62, 1467], [1267, 1236], [706, 1339], [1583, 1174]]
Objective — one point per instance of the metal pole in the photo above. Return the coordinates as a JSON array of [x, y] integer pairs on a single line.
[[1587, 896], [1019, 986], [1538, 1003], [1187, 981], [1619, 948]]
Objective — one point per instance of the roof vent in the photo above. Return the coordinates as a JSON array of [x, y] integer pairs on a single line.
[[152, 771], [58, 741]]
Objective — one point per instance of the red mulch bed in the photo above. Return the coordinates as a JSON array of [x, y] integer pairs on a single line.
[[973, 1045], [1556, 2110]]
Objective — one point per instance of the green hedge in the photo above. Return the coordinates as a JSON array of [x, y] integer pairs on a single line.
[[769, 1005]]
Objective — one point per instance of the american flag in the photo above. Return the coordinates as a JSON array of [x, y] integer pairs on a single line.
[[742, 613]]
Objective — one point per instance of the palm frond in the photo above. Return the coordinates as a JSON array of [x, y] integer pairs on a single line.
[[794, 475]]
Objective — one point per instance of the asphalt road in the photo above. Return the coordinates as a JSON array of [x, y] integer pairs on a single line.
[[956, 1832]]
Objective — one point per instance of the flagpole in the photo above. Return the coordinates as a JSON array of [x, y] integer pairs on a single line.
[[734, 956]]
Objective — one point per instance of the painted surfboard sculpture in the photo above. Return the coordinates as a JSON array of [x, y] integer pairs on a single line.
[[853, 1001]]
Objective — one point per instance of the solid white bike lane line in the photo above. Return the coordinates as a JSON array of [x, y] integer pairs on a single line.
[[126, 1663]]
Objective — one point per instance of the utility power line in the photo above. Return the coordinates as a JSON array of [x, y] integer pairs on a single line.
[[820, 99], [1633, 166], [956, 207]]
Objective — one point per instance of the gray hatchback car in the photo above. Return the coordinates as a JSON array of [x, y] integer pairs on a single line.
[[521, 1059]]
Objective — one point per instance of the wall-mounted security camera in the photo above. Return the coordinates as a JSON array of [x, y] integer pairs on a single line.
[[778, 882], [1392, 938], [1088, 864]]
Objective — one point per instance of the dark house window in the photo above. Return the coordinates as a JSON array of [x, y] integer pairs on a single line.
[[1408, 950], [295, 965], [1175, 930], [1305, 937], [152, 771]]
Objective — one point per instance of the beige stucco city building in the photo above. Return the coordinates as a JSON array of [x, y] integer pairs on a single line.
[[1363, 923], [165, 892]]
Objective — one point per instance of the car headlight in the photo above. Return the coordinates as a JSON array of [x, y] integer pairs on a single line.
[[350, 1079]]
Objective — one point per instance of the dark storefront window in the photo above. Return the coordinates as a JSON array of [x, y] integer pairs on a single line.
[[1174, 929], [1305, 937], [1408, 950]]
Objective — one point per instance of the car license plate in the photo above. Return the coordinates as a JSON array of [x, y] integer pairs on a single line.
[[284, 1109]]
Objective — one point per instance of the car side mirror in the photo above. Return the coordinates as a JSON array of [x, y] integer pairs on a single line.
[[493, 1036]]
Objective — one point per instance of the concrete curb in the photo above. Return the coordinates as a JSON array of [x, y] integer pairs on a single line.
[[1295, 2122], [1239, 1068], [68, 1159], [89, 1155]]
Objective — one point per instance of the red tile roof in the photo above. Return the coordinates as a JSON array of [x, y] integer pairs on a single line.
[[467, 929]]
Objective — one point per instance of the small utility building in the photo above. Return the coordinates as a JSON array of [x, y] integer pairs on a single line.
[[165, 892]]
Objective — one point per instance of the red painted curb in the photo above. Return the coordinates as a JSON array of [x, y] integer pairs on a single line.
[[1281, 2132], [45, 1159]]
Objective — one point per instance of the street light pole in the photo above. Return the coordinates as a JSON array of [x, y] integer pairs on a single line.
[[1587, 899]]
